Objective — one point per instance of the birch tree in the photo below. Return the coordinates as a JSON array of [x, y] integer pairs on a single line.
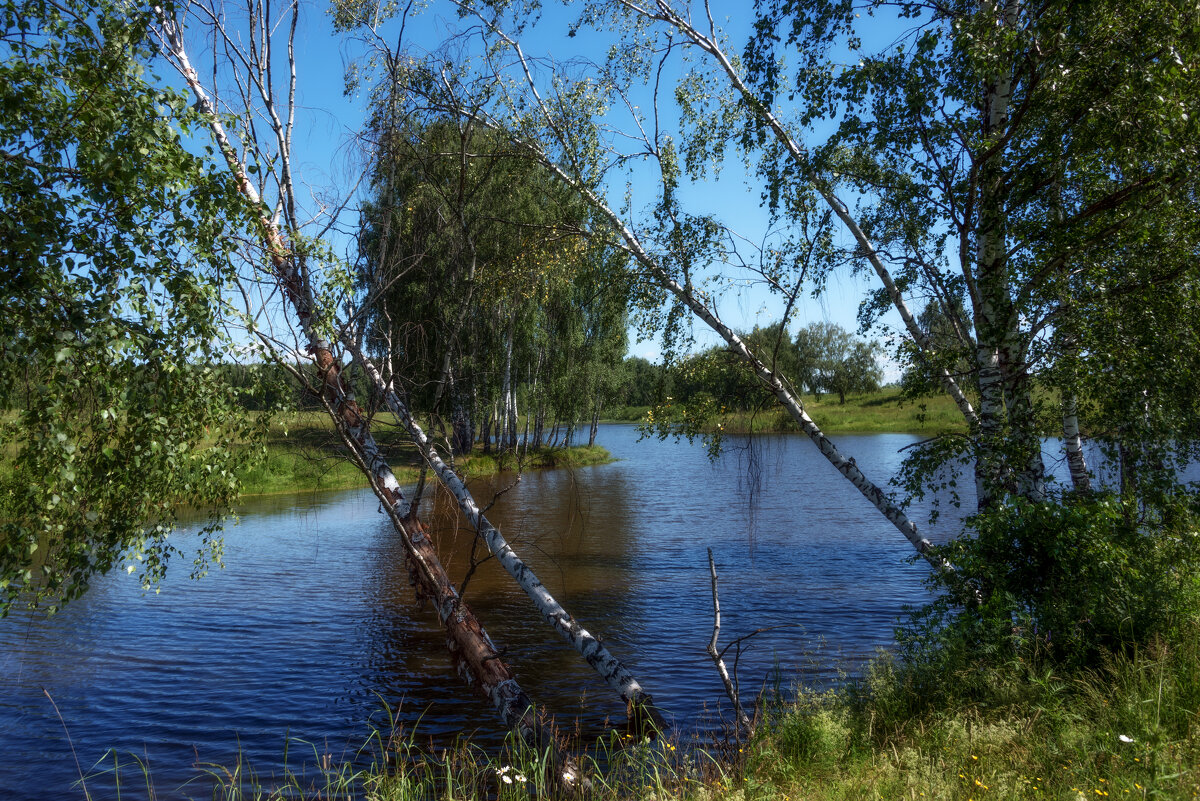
[[990, 157], [672, 250], [315, 290], [113, 241], [999, 151]]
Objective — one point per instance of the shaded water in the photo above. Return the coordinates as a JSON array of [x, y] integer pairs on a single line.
[[311, 625]]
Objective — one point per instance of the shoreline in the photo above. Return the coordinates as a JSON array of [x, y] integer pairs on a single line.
[[883, 412]]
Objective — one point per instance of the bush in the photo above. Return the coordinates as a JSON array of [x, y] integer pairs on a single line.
[[1065, 581]]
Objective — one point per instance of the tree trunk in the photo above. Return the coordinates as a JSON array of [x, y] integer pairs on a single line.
[[487, 429], [801, 156], [1073, 444], [595, 424], [778, 387], [1030, 478], [474, 654], [993, 317], [464, 431], [609, 668], [539, 426], [506, 426]]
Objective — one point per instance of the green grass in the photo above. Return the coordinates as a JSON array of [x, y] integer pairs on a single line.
[[304, 453], [968, 734], [1000, 733], [878, 412]]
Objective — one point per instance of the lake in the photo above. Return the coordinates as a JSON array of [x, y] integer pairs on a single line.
[[311, 626]]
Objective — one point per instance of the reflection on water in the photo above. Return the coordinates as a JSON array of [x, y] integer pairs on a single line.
[[311, 626]]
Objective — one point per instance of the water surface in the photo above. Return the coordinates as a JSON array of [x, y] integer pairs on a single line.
[[311, 626]]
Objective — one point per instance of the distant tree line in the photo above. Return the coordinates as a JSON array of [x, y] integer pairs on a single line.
[[820, 358]]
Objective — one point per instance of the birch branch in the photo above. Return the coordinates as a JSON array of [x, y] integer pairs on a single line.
[[866, 247], [473, 651], [744, 722]]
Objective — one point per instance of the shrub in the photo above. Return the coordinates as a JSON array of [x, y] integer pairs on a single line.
[[1064, 581]]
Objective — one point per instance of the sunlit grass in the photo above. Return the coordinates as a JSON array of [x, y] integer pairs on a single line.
[[885, 411], [1130, 729], [304, 453]]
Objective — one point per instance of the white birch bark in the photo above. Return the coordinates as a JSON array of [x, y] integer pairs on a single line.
[[993, 322], [778, 387], [688, 296], [730, 690], [866, 248], [474, 653], [1073, 444], [1072, 440], [509, 425], [614, 673]]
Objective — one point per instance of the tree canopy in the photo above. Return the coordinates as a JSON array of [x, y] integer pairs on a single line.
[[114, 239]]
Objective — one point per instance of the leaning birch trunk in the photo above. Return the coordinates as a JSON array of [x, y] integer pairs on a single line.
[[638, 701], [687, 295], [866, 248], [778, 387], [474, 654]]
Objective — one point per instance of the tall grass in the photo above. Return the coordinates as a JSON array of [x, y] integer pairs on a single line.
[[392, 765], [1129, 728]]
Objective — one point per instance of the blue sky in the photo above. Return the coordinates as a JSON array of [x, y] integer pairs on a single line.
[[326, 158]]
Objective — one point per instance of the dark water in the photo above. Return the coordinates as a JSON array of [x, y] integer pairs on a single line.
[[311, 626]]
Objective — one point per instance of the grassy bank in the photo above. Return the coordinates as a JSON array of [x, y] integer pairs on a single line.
[[1128, 729], [878, 412], [303, 453]]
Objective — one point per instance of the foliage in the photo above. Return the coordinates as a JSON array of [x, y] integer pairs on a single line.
[[1066, 581], [479, 284], [113, 240], [830, 358], [643, 383], [1020, 171], [713, 391]]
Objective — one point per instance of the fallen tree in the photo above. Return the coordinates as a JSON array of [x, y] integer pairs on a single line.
[[476, 657]]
